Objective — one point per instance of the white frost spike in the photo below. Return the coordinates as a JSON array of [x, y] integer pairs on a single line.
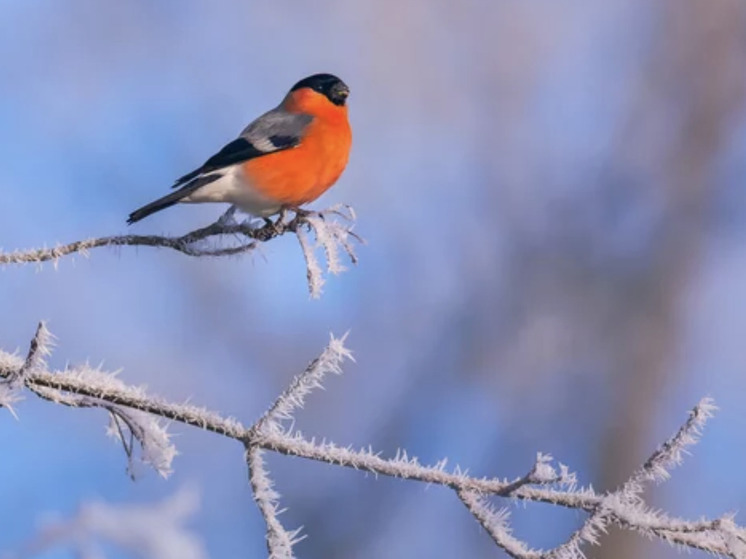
[[670, 453], [329, 362], [625, 502], [133, 408], [326, 237], [39, 349], [280, 541], [495, 523], [314, 275], [543, 472], [331, 235], [8, 397], [156, 450]]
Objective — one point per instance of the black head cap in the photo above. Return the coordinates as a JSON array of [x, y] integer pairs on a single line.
[[328, 85]]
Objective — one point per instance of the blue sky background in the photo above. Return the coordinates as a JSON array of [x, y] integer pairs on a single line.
[[554, 207]]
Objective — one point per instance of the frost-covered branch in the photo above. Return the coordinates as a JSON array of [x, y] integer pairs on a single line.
[[10, 384], [294, 396], [134, 415], [495, 523], [279, 541], [655, 468], [331, 228], [331, 235]]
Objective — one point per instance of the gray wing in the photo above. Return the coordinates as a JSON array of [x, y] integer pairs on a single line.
[[276, 130]]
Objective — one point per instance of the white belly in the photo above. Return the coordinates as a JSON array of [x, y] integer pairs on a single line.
[[232, 188]]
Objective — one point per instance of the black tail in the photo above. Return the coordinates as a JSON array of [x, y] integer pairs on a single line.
[[158, 205], [171, 199]]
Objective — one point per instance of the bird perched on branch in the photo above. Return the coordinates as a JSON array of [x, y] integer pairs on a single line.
[[287, 157]]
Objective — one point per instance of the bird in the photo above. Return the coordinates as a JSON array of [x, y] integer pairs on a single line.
[[286, 158]]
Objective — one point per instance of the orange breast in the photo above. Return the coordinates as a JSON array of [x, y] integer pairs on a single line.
[[300, 175]]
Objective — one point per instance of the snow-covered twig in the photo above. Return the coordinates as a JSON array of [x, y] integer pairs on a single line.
[[294, 396], [627, 497], [129, 426], [279, 541], [91, 382], [624, 507], [330, 232], [495, 523], [314, 274], [671, 452], [39, 349]]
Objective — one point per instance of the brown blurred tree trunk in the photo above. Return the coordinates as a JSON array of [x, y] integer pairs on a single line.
[[694, 72]]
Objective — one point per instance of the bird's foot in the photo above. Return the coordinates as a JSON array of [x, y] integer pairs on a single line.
[[300, 213], [277, 226]]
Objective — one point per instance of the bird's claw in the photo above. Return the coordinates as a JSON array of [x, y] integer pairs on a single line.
[[301, 214]]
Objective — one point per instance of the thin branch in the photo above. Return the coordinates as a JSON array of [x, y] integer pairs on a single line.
[[39, 349], [656, 467], [279, 541], [409, 468], [670, 453], [83, 381], [495, 523], [86, 386], [330, 233], [314, 274], [184, 243], [543, 473], [294, 396]]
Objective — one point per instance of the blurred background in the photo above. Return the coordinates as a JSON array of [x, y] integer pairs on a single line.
[[552, 195]]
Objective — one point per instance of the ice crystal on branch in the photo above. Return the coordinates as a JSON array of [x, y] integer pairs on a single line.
[[331, 235], [280, 541], [40, 348], [331, 228], [86, 386], [671, 453], [293, 397], [135, 422], [132, 426]]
